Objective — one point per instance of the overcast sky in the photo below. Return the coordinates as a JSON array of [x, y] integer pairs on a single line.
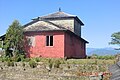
[[101, 17]]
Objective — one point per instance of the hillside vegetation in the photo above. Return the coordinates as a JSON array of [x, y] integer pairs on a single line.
[[65, 69]]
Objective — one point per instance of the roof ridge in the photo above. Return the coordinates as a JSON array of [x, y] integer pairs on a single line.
[[49, 13], [57, 14]]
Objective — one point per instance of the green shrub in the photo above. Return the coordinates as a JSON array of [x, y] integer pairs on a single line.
[[26, 60], [62, 61], [32, 64], [107, 57], [5, 58], [19, 58], [57, 64], [50, 63], [37, 59]]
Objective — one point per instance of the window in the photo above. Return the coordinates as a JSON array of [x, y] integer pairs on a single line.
[[49, 40]]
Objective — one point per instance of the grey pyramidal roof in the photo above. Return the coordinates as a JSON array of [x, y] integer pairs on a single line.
[[47, 24], [58, 14]]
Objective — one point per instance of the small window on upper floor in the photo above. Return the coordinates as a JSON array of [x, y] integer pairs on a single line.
[[49, 40]]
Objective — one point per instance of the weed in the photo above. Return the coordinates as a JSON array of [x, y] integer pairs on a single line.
[[50, 63], [37, 59], [57, 64], [32, 64]]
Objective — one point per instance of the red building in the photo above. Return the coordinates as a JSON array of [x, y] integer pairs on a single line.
[[56, 35]]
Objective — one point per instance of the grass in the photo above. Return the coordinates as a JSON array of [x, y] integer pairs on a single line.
[[85, 66], [90, 61], [68, 61]]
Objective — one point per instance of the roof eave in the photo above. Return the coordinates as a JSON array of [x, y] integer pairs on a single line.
[[75, 17], [82, 24], [31, 22], [45, 30]]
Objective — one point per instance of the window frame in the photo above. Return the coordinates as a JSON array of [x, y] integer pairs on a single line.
[[49, 40]]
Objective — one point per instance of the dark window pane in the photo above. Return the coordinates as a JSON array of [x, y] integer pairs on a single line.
[[51, 40], [47, 40]]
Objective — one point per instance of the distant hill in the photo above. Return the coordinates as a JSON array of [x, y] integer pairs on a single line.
[[102, 51]]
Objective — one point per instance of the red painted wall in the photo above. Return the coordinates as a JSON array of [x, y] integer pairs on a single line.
[[41, 50], [64, 45], [74, 47]]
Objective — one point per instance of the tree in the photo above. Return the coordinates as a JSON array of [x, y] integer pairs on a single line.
[[115, 38], [14, 39], [0, 44]]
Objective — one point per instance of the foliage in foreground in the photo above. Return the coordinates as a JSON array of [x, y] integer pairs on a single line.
[[0, 44], [18, 58], [106, 57], [32, 63], [115, 38], [14, 40]]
